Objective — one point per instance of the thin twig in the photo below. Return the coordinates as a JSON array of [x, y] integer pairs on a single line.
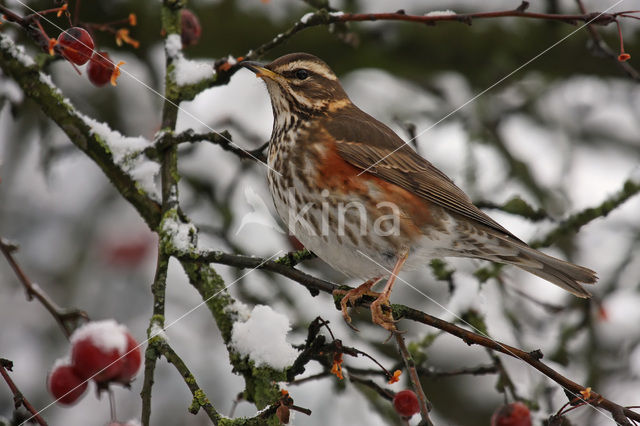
[[323, 17], [68, 319], [479, 370], [222, 139], [576, 221], [18, 397], [200, 400], [602, 47], [158, 289], [425, 405]]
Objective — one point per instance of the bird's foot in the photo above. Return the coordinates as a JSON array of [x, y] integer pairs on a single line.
[[381, 313], [353, 296]]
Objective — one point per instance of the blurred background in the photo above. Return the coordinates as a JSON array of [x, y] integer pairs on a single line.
[[562, 134]]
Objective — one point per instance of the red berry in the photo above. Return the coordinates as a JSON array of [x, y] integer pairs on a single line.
[[406, 403], [98, 350], [514, 414], [190, 28], [131, 361], [100, 68], [76, 45], [65, 385]]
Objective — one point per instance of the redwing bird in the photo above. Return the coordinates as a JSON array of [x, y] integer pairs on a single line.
[[366, 203]]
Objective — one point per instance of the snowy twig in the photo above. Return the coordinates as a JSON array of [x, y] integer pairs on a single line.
[[425, 405], [38, 86], [68, 319], [223, 139], [18, 397]]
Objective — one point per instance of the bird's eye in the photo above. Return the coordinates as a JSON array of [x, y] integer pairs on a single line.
[[302, 74]]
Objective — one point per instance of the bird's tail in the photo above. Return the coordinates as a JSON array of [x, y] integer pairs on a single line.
[[559, 272]]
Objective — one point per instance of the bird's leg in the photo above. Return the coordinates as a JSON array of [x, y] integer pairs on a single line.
[[378, 313], [351, 297]]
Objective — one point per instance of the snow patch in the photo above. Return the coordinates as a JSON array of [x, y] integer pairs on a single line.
[[263, 338], [181, 234], [305, 18], [126, 154], [238, 310], [61, 362], [186, 71], [157, 331], [447, 12], [15, 50], [107, 335], [173, 45]]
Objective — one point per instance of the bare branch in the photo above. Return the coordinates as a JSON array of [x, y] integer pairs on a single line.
[[18, 398], [68, 319]]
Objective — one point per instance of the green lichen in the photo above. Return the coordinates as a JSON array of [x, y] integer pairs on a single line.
[[261, 382]]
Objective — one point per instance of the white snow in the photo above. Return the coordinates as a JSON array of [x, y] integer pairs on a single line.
[[126, 154], [336, 14], [263, 338], [157, 331], [238, 310], [181, 234], [173, 45], [15, 50], [447, 12], [186, 71], [60, 362], [305, 18], [107, 335]]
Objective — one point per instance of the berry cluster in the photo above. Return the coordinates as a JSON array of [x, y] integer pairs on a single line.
[[102, 351], [76, 46]]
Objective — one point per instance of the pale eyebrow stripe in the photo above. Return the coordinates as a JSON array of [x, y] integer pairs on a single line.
[[313, 67]]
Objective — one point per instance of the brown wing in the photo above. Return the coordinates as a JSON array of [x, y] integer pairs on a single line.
[[369, 145]]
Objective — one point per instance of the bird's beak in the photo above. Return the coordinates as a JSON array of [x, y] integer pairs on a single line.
[[259, 70]]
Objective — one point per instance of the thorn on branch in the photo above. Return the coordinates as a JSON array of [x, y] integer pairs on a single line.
[[523, 6]]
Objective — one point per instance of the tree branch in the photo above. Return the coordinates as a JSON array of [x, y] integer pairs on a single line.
[[401, 311], [37, 86], [425, 405], [67, 319], [18, 397], [576, 221], [324, 17], [222, 139], [600, 46], [200, 400]]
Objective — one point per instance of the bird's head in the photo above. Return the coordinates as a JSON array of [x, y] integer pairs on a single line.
[[300, 82]]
